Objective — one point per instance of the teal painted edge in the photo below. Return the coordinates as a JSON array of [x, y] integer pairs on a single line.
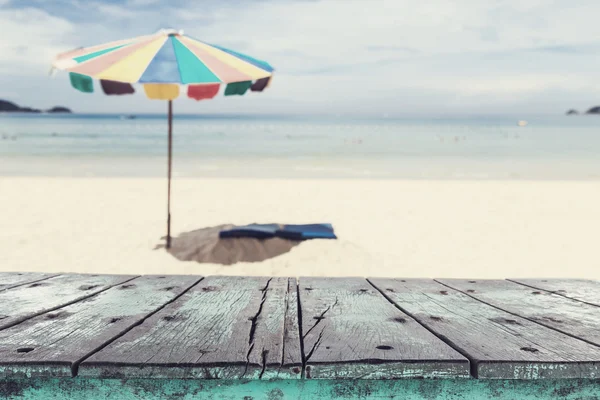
[[98, 53], [407, 389]]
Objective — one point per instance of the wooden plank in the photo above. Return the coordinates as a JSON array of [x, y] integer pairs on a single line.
[[23, 302], [223, 328], [583, 290], [569, 316], [10, 280], [292, 352], [54, 344], [499, 345], [351, 331]]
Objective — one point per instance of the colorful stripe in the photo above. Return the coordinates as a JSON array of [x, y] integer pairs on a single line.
[[131, 68], [260, 64], [82, 83], [226, 72], [164, 58], [87, 50], [95, 54], [159, 91], [99, 64], [164, 67], [193, 70], [203, 92], [246, 68], [237, 88]]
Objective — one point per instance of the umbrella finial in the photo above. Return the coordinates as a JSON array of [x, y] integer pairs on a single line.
[[171, 32]]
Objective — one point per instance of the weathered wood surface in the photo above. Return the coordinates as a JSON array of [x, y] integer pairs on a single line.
[[224, 327], [587, 291], [292, 351], [54, 343], [351, 331], [569, 316], [10, 280], [23, 302], [259, 328], [499, 345]]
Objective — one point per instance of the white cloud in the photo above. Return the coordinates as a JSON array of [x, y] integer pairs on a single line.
[[112, 10], [143, 3], [339, 55], [30, 38]]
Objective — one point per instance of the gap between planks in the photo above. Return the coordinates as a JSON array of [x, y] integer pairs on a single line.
[[253, 331], [472, 364], [45, 311], [522, 315], [29, 282], [300, 332], [553, 292], [76, 364]]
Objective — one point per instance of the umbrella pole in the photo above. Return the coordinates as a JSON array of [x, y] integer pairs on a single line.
[[169, 173]]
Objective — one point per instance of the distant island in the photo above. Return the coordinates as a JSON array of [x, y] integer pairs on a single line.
[[7, 106], [594, 111]]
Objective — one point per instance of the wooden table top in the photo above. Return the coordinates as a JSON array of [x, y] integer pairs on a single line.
[[218, 327]]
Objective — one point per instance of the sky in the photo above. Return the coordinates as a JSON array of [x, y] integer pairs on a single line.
[[338, 57]]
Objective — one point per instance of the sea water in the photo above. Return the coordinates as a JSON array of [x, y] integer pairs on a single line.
[[301, 147]]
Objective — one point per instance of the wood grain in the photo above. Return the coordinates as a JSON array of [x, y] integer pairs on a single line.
[[223, 328], [586, 291], [9, 280], [23, 302], [499, 345], [351, 331], [53, 344], [569, 316], [292, 352]]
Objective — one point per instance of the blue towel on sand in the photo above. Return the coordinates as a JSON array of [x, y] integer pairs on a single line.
[[304, 232], [258, 231], [290, 232]]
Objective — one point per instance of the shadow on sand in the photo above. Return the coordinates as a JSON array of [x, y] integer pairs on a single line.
[[205, 246]]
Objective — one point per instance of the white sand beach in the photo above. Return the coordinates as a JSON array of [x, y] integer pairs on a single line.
[[478, 229]]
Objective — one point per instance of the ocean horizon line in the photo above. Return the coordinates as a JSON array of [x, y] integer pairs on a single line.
[[276, 116]]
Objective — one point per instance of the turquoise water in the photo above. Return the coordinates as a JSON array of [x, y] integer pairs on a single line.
[[459, 148]]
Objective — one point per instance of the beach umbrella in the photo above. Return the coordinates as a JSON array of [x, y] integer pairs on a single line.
[[164, 63]]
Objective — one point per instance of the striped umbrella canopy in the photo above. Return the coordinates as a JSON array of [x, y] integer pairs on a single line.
[[167, 57], [164, 62]]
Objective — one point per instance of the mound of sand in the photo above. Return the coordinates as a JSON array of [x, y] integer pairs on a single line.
[[205, 246]]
